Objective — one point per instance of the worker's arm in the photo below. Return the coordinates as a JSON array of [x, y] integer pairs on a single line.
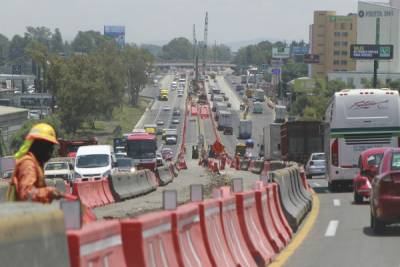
[[26, 189]]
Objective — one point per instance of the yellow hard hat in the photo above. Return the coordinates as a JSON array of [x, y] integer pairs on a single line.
[[42, 131]]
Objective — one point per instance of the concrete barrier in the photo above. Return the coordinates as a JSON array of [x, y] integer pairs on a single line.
[[295, 181], [128, 185], [96, 244], [301, 185], [293, 213], [60, 185], [258, 166], [32, 235], [164, 175]]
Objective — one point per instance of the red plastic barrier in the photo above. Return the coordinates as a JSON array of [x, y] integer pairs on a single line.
[[99, 191], [214, 238], [194, 110], [107, 191], [148, 240], [250, 225], [233, 235], [67, 187], [304, 179], [96, 244], [266, 220], [277, 212], [82, 189], [188, 238]]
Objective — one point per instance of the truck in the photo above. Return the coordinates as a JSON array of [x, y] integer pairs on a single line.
[[163, 94], [225, 122], [245, 128], [301, 138], [142, 147], [68, 148], [259, 95], [280, 114], [271, 144]]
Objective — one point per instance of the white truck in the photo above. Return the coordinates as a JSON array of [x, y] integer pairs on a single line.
[[280, 114], [245, 128], [272, 142], [225, 122]]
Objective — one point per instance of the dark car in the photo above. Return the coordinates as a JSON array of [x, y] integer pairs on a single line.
[[125, 165], [385, 192], [176, 112]]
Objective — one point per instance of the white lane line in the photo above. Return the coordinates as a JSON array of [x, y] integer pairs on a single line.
[[331, 230], [336, 202]]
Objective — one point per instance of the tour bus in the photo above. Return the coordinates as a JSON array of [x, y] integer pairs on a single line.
[[355, 120]]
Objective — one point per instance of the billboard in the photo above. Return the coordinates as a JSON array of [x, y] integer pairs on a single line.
[[275, 71], [311, 59], [300, 50], [371, 51], [280, 52], [117, 33]]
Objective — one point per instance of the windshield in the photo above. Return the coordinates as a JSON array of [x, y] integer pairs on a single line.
[[318, 157], [93, 161], [56, 166], [125, 163], [142, 149]]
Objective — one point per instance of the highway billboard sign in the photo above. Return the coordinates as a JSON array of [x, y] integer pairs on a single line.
[[371, 51], [311, 59], [280, 52], [117, 33]]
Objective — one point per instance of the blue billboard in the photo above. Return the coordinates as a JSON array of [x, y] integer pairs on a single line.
[[300, 50], [117, 33]]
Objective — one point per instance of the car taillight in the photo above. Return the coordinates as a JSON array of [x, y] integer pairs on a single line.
[[335, 153]]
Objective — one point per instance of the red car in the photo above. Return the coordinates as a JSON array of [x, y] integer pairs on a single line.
[[368, 164], [385, 193]]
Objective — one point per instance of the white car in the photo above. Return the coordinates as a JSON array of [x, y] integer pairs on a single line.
[[59, 169], [170, 140], [180, 93], [175, 121], [166, 108], [315, 165]]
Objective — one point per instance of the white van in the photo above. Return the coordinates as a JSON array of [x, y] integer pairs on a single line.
[[95, 161]]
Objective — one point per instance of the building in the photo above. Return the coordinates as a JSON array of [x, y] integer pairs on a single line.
[[11, 120], [330, 37], [371, 14]]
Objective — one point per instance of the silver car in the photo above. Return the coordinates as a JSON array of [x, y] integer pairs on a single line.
[[315, 165]]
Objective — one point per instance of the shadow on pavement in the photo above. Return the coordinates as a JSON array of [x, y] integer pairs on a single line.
[[389, 231], [321, 190]]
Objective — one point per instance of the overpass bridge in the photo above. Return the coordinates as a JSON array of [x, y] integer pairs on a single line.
[[190, 64]]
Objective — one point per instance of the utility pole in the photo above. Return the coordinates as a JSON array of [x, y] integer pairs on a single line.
[[376, 63], [205, 44], [195, 60]]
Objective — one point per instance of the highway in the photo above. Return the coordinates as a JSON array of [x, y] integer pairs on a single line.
[[157, 111], [341, 235]]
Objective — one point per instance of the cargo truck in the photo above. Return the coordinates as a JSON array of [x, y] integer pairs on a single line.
[[301, 138], [280, 114], [68, 148], [225, 122], [245, 128]]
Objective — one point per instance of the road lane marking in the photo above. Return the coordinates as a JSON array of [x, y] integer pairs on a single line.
[[331, 230], [284, 256], [336, 202]]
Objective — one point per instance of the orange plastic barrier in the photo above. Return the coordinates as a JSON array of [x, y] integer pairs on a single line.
[[99, 191], [148, 240], [234, 236], [188, 238], [257, 242], [91, 192], [97, 244], [277, 212], [214, 238], [194, 111], [107, 191], [266, 220]]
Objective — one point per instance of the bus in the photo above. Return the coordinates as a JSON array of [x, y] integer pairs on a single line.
[[356, 120], [142, 147]]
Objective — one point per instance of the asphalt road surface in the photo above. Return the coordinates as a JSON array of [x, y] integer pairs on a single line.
[[341, 235]]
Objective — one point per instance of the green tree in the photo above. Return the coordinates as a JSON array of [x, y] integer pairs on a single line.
[[89, 41], [292, 70], [39, 34], [4, 49], [178, 49], [56, 42], [39, 54], [16, 53]]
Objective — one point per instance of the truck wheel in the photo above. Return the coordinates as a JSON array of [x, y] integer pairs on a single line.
[[358, 199]]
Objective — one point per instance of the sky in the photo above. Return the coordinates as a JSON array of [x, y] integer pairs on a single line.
[[155, 21]]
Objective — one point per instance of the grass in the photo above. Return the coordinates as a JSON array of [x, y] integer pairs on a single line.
[[125, 117]]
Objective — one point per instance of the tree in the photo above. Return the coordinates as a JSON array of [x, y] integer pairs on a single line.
[[56, 42], [39, 54], [292, 70], [16, 53], [89, 41], [4, 49], [39, 34], [138, 65], [178, 49]]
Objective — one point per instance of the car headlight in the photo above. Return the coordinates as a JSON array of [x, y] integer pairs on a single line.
[[133, 169]]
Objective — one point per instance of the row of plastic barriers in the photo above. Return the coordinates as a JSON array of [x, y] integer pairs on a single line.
[[232, 229], [96, 192]]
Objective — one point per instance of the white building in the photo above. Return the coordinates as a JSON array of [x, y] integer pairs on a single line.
[[388, 17]]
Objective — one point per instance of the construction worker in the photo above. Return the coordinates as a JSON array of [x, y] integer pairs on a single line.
[[27, 183]]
